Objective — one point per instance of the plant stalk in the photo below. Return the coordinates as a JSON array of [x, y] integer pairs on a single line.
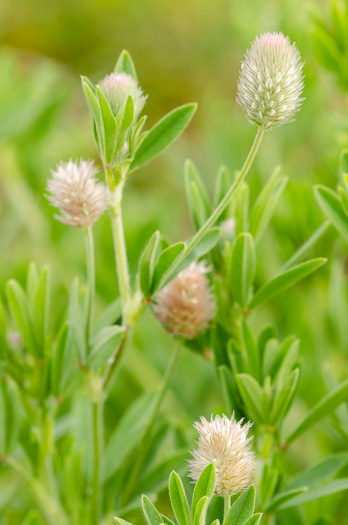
[[227, 505], [90, 258]]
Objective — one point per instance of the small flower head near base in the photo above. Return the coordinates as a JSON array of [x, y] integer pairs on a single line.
[[186, 305], [117, 87], [224, 442], [75, 191], [271, 81]]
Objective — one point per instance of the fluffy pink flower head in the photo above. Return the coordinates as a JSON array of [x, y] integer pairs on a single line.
[[186, 305], [117, 87], [75, 191], [270, 82], [225, 443]]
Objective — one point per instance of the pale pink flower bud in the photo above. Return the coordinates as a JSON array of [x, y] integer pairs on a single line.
[[225, 443], [117, 87], [76, 192], [186, 305], [271, 81]]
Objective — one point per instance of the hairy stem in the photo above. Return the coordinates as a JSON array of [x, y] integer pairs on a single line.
[[227, 505], [225, 201], [91, 281]]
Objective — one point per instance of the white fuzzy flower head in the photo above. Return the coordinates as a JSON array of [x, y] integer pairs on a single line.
[[74, 189], [117, 87], [225, 443], [186, 305], [270, 82]]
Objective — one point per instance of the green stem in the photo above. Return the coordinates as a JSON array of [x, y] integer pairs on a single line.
[[227, 505], [116, 359], [225, 201], [91, 281], [97, 436], [115, 200], [145, 442]]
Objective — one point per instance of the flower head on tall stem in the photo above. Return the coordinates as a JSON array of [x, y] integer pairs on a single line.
[[225, 443], [271, 81], [117, 87], [74, 190], [186, 305]]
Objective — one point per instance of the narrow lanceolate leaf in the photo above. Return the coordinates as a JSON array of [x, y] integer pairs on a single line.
[[284, 397], [197, 197], [104, 345], [284, 280], [333, 487], [147, 263], [283, 498], [252, 395], [178, 500], [243, 266], [109, 126], [165, 261], [325, 407], [205, 486], [322, 471], [94, 107], [242, 509], [332, 207], [20, 312], [252, 350], [41, 308], [266, 203], [151, 514], [166, 131], [254, 520], [201, 511], [125, 64]]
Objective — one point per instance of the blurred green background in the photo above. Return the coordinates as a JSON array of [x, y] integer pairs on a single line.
[[184, 51]]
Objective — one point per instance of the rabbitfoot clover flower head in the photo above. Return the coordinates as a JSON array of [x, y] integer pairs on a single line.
[[271, 81], [225, 443], [117, 87], [186, 305], [75, 191]]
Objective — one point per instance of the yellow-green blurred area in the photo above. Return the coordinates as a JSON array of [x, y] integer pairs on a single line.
[[184, 50]]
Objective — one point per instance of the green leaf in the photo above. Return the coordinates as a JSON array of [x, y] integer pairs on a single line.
[[322, 471], [120, 521], [164, 263], [201, 511], [326, 50], [125, 64], [95, 109], [58, 359], [222, 185], [325, 407], [241, 212], [178, 500], [205, 486], [104, 345], [304, 249], [19, 309], [164, 133], [285, 280], [254, 520], [332, 207], [242, 509], [266, 203], [198, 199], [41, 308], [229, 388], [252, 350], [127, 434], [147, 263], [156, 479], [109, 127], [280, 499], [252, 395], [333, 487], [110, 315], [152, 516], [284, 397], [243, 267], [10, 415]]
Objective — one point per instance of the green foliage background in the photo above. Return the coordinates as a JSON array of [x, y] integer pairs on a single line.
[[184, 51]]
